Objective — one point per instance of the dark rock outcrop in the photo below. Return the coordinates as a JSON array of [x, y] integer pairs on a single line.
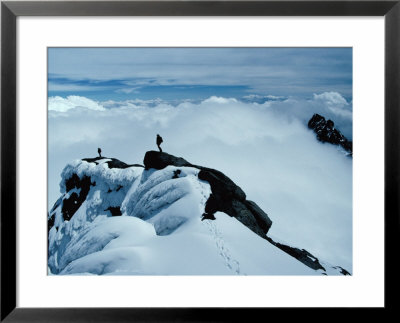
[[207, 216], [342, 270], [222, 186], [50, 220], [160, 160], [75, 200], [112, 163], [261, 217], [114, 210], [225, 196], [326, 132], [306, 258], [71, 202], [301, 255], [176, 173], [51, 216]]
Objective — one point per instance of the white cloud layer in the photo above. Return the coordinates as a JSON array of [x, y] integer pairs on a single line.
[[331, 98], [331, 105], [304, 186], [57, 103]]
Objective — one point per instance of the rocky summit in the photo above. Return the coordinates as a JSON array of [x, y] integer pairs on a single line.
[[167, 217]]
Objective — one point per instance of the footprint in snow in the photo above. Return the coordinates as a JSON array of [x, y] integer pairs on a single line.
[[223, 250]]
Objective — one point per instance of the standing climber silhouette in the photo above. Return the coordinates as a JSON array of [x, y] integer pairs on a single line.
[[159, 141], [99, 151]]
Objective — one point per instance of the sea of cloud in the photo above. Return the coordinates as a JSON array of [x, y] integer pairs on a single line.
[[266, 148]]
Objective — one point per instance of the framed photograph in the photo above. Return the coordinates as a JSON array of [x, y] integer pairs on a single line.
[[162, 159]]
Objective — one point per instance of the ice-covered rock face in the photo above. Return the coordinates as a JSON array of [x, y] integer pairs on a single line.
[[225, 195], [165, 199], [91, 192]]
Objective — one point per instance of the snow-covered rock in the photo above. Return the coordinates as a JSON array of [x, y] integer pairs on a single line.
[[225, 195], [119, 219]]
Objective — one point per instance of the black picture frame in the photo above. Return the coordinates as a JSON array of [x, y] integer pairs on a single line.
[[10, 10]]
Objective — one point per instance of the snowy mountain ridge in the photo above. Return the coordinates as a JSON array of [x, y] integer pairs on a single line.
[[168, 217]]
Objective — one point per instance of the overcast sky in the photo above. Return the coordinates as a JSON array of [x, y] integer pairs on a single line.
[[198, 73]]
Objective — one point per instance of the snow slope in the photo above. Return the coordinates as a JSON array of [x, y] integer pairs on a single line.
[[160, 230]]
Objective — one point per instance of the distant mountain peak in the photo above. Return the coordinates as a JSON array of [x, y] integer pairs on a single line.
[[326, 132]]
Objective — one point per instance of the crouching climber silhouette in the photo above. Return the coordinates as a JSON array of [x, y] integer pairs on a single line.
[[159, 141], [99, 151]]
